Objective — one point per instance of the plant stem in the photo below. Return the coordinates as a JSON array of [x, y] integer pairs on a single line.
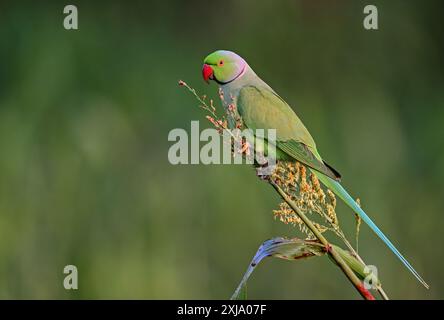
[[379, 288], [330, 250], [341, 235]]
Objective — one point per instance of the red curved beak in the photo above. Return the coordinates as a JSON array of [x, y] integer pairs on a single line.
[[207, 72]]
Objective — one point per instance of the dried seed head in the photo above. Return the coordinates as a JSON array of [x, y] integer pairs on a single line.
[[308, 196], [332, 198]]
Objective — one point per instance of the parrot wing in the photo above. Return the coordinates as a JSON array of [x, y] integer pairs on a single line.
[[261, 108]]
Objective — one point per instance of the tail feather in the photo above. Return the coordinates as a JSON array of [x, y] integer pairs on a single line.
[[343, 194]]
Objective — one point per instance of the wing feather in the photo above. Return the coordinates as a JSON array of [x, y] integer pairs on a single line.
[[261, 108]]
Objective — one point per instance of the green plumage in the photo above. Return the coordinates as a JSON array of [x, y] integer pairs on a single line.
[[261, 108]]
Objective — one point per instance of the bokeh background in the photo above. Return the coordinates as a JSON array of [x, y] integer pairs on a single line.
[[84, 120]]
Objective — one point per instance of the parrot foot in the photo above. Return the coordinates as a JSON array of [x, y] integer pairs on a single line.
[[265, 168], [261, 174]]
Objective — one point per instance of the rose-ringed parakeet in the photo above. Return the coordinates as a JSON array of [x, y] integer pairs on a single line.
[[260, 107]]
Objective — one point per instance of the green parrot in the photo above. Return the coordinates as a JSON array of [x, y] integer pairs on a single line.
[[260, 107]]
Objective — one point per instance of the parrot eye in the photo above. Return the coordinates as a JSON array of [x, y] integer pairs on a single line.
[[221, 63]]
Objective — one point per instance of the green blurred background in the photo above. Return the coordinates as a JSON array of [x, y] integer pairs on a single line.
[[84, 120]]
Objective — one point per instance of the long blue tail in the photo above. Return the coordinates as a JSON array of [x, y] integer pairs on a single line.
[[343, 194]]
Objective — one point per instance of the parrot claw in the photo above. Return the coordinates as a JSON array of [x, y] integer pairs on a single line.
[[261, 175], [265, 169]]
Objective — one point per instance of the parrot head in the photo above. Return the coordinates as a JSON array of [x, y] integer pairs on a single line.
[[223, 66]]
